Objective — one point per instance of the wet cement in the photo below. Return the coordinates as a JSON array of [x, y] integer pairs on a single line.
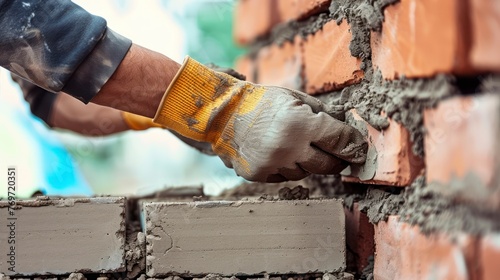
[[432, 212], [380, 204], [363, 16], [402, 100], [286, 32]]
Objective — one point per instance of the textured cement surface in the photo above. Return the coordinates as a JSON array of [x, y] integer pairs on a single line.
[[244, 238], [65, 235]]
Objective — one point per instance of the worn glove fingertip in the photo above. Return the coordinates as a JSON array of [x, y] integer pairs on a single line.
[[356, 149], [336, 111]]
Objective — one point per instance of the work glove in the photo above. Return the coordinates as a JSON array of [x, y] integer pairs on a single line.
[[137, 122], [265, 133]]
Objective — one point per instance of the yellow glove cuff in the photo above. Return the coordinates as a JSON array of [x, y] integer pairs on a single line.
[[199, 101], [137, 122]]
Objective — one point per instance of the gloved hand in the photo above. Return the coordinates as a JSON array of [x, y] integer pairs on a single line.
[[137, 122], [265, 133]]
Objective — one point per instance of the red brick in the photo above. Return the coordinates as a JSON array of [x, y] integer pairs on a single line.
[[280, 65], [254, 18], [485, 18], [307, 8], [422, 38], [359, 236], [246, 66], [490, 256], [403, 252], [396, 163], [301, 9], [328, 64], [461, 148]]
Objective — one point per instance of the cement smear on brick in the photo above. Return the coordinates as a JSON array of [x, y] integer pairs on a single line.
[[379, 204], [433, 212], [363, 16], [402, 100]]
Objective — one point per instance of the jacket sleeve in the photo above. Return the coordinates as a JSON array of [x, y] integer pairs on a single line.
[[59, 46]]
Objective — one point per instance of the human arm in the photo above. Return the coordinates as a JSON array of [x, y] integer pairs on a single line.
[[265, 133]]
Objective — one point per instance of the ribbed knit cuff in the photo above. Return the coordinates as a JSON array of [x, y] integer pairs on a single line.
[[198, 102]]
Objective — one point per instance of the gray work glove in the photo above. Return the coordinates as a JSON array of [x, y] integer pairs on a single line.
[[290, 135]]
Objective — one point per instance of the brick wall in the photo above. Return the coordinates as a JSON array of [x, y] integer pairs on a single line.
[[421, 80]]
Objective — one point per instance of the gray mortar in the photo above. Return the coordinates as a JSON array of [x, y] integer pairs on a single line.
[[286, 32], [433, 212], [379, 204], [135, 254], [490, 84], [402, 100], [362, 16]]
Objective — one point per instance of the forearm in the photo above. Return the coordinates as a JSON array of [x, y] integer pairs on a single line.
[[90, 120], [139, 82]]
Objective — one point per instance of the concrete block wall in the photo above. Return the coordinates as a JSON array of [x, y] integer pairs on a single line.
[[421, 80]]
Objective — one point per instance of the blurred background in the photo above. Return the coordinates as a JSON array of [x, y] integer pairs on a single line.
[[65, 163]]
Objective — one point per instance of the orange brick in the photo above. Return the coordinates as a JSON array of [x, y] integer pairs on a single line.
[[422, 38], [246, 66], [301, 9], [403, 252], [461, 148], [307, 8], [396, 164], [359, 236], [280, 65], [490, 256], [485, 18], [254, 18], [328, 64]]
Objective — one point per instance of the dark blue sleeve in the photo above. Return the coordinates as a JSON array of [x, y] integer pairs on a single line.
[[59, 46]]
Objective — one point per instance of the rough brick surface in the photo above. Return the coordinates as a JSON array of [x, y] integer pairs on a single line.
[[301, 9], [359, 236], [280, 65], [328, 64], [461, 148], [245, 237], [392, 163], [485, 18], [254, 18], [64, 236], [403, 252], [422, 38], [489, 256]]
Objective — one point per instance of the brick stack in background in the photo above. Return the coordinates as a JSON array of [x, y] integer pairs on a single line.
[[449, 134]]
